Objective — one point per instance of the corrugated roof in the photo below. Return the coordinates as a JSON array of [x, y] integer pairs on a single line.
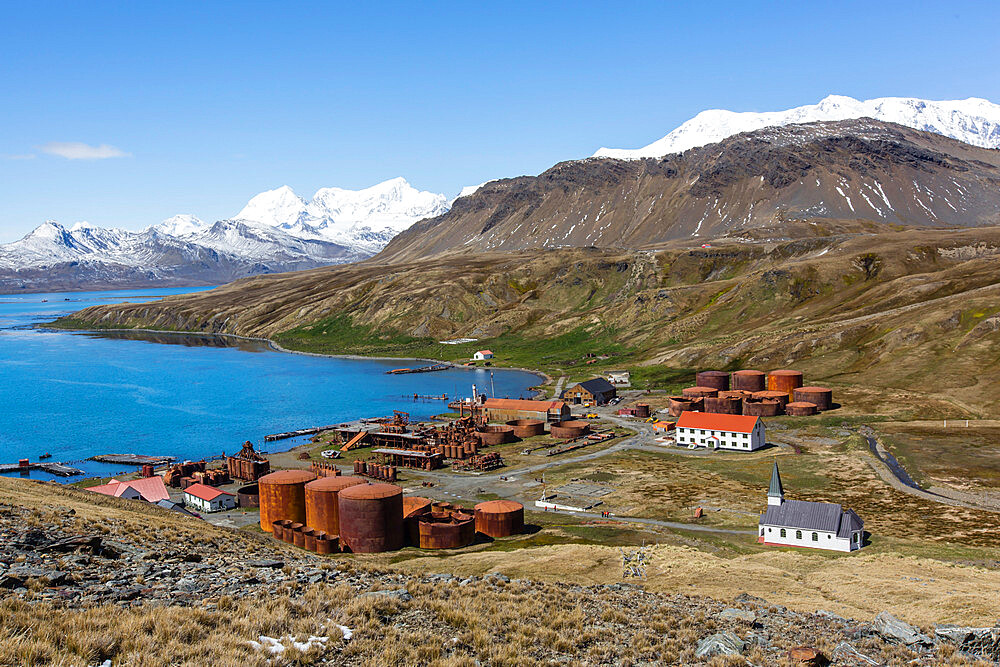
[[804, 514], [115, 489], [205, 492], [520, 404], [151, 489], [849, 522], [717, 422], [597, 385]]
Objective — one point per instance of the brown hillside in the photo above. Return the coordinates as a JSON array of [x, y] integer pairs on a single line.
[[856, 169], [916, 309]]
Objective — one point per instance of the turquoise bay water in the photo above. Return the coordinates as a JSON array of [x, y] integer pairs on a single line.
[[80, 394]]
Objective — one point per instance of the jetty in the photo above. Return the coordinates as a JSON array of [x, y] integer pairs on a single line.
[[132, 459], [59, 469], [422, 369], [300, 432]]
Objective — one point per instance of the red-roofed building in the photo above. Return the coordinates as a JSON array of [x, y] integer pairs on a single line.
[[150, 489], [116, 489], [708, 429], [482, 355], [208, 498]]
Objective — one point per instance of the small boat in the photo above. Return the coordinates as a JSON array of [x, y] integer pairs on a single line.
[[44, 456]]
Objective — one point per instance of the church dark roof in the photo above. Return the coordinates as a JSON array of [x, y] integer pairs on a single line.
[[828, 517]]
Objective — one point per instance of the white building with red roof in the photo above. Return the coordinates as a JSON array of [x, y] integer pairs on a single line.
[[715, 431], [482, 355], [208, 498]]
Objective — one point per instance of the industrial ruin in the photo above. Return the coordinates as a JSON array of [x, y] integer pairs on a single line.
[[752, 393], [346, 513]]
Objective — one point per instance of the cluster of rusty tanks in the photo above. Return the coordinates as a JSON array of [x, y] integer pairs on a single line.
[[346, 513]]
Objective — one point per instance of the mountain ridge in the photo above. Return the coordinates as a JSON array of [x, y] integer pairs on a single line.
[[276, 231], [855, 169]]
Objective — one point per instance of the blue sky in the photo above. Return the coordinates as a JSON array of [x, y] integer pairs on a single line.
[[195, 107]]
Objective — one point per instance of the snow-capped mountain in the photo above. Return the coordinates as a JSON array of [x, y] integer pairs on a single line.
[[364, 220], [179, 225], [276, 231], [52, 257], [975, 121]]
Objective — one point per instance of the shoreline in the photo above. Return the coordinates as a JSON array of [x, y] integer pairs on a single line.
[[278, 348]]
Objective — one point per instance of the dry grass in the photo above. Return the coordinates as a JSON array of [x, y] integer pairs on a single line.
[[922, 590]]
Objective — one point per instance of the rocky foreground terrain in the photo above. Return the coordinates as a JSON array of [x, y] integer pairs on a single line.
[[114, 582]]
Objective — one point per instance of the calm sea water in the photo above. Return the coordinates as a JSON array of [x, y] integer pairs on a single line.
[[76, 395]]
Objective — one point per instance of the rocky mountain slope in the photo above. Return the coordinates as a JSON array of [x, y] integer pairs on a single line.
[[854, 169], [973, 121], [86, 579], [276, 231]]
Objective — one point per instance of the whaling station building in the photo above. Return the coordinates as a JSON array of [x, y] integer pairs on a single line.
[[208, 498], [596, 391], [717, 431], [801, 523], [507, 409]]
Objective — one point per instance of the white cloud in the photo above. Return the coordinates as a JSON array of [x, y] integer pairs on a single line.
[[77, 150]]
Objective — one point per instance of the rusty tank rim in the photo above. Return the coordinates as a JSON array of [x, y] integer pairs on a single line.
[[370, 491], [287, 477], [499, 506], [333, 484]]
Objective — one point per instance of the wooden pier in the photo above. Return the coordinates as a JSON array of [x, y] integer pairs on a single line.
[[300, 432], [422, 369], [132, 459], [52, 468]]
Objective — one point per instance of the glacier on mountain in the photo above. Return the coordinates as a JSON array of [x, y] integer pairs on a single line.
[[364, 220], [975, 121]]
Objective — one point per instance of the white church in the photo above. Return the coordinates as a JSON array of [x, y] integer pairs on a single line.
[[801, 523]]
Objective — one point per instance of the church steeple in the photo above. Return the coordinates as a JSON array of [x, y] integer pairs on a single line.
[[775, 493]]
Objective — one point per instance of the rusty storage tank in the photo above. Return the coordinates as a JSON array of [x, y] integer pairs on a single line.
[[283, 496], [724, 405], [779, 396], [500, 518], [642, 410], [718, 380], [571, 428], [762, 407], [700, 392], [371, 518], [309, 538], [325, 544], [415, 506], [526, 428], [496, 434], [750, 380], [455, 530], [821, 397], [321, 502], [299, 535], [678, 404], [291, 530], [278, 528], [800, 409], [248, 496], [784, 380]]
